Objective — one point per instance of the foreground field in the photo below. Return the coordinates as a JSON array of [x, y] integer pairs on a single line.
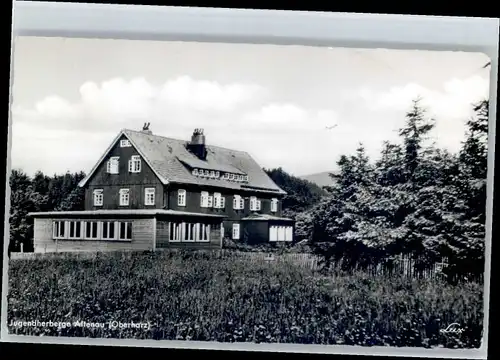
[[206, 296]]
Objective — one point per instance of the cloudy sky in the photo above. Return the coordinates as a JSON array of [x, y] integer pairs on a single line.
[[72, 96]]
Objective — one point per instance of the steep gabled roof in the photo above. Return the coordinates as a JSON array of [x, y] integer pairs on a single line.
[[172, 162]]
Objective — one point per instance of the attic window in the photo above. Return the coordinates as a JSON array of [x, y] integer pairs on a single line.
[[195, 172], [134, 164], [212, 174], [125, 143], [231, 176], [112, 165], [217, 174]]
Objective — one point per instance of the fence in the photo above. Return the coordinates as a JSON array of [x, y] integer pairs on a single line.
[[401, 266]]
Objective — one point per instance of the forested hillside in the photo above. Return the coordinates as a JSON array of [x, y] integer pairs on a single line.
[[301, 194], [39, 193]]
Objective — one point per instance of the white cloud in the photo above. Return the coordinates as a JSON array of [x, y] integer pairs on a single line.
[[119, 103], [452, 101], [450, 106]]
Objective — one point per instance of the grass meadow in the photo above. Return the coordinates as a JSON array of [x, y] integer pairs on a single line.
[[213, 296]]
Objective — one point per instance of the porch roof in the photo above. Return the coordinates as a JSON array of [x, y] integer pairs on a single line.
[[122, 212], [265, 217]]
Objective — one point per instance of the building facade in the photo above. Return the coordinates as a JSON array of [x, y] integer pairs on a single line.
[[149, 192]]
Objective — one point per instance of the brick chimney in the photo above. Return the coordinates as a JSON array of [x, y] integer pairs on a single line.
[[197, 144]]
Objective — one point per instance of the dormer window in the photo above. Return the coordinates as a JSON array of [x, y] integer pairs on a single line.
[[212, 174], [112, 166], [195, 172], [134, 164], [231, 176], [207, 173], [225, 176], [125, 143], [217, 174]]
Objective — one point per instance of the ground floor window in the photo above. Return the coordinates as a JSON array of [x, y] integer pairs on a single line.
[[189, 232], [59, 229], [92, 230], [236, 231], [280, 233], [75, 230]]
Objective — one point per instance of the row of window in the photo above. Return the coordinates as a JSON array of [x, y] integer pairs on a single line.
[[113, 164], [178, 232], [216, 201], [211, 174], [189, 232], [92, 230], [276, 233], [124, 197]]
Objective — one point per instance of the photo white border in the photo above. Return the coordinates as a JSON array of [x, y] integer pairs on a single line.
[[267, 27]]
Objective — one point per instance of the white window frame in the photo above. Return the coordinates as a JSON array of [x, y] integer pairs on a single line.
[[217, 174], [110, 225], [204, 233], [258, 204], [134, 164], [195, 172], [210, 201], [235, 234], [238, 202], [149, 196], [174, 231], [204, 199], [219, 201], [98, 197], [188, 232], [113, 165], [75, 224], [286, 232], [124, 197], [56, 229], [212, 174], [274, 205], [97, 228], [119, 230], [181, 197], [253, 203], [125, 143]]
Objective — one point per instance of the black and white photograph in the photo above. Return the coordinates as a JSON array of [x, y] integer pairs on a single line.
[[248, 193]]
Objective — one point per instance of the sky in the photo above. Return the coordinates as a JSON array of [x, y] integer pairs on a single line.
[[71, 97]]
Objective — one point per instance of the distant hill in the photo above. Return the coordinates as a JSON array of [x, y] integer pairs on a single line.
[[301, 194], [321, 179]]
